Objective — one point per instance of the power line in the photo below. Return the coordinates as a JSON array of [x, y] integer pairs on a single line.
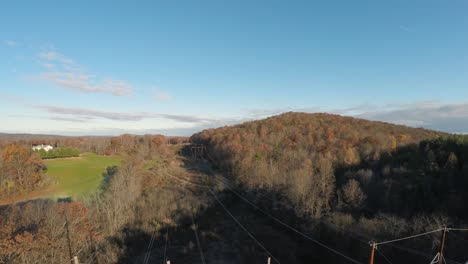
[[295, 230], [227, 184], [99, 248], [148, 249], [356, 236], [419, 253], [408, 237], [195, 229], [352, 234], [349, 233], [457, 229], [237, 221], [386, 259]]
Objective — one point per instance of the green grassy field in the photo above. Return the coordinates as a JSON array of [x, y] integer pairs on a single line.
[[75, 177]]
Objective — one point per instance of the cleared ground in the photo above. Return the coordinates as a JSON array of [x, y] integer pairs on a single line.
[[75, 177]]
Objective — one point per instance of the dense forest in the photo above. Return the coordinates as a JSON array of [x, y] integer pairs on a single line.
[[378, 179], [340, 180], [320, 160]]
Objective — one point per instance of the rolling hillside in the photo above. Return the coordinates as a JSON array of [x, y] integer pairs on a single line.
[[374, 179], [329, 165], [290, 141]]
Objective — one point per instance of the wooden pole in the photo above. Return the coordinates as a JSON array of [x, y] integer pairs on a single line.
[[68, 238], [442, 242], [373, 246]]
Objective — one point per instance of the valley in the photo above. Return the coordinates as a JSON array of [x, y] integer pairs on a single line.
[[298, 188], [74, 177]]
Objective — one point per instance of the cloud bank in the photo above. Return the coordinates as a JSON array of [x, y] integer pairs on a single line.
[[162, 96], [82, 82], [451, 118], [84, 114], [64, 72], [447, 117]]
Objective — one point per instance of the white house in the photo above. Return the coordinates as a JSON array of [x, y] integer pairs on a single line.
[[42, 146]]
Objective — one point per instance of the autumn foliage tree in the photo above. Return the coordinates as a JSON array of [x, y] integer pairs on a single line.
[[297, 154], [44, 232], [20, 170]]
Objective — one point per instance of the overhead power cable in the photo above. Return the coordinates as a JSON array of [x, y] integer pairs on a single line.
[[237, 221], [420, 253], [362, 239], [227, 184], [408, 237], [195, 230], [294, 229], [350, 233], [381, 254], [150, 246], [457, 229], [358, 237]]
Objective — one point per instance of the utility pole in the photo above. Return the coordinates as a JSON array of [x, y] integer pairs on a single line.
[[373, 245], [442, 242], [68, 238]]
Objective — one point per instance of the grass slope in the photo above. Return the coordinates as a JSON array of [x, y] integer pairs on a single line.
[[77, 176]]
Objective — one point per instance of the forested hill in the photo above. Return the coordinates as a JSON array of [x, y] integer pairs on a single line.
[[287, 149], [350, 171], [300, 136]]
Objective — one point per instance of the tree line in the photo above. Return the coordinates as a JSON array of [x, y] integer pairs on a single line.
[[60, 152]]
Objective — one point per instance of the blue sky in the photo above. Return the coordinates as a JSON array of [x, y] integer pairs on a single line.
[[175, 67]]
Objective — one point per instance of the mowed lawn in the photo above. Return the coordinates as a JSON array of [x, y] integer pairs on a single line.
[[75, 177]]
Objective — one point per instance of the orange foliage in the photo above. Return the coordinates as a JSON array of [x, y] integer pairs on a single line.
[[21, 170]]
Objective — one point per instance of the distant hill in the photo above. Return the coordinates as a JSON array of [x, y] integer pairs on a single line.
[[324, 163], [83, 143], [25, 136], [346, 140], [21, 136]]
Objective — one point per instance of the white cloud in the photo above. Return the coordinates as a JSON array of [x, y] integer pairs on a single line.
[[64, 72], [89, 114], [55, 56], [82, 82], [449, 117], [48, 65], [50, 55], [162, 96], [10, 43]]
